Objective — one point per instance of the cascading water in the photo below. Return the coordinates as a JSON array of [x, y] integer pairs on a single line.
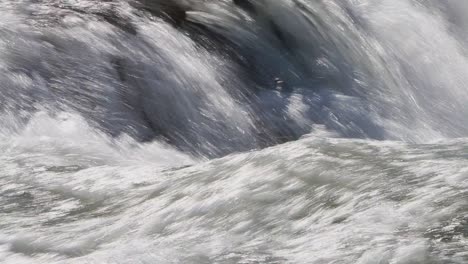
[[233, 131]]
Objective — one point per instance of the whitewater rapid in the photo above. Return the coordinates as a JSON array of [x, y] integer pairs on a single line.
[[255, 131], [320, 199]]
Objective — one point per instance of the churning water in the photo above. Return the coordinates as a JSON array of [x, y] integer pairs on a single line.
[[230, 131]]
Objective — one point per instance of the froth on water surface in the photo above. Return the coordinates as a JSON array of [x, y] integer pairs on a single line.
[[319, 199]]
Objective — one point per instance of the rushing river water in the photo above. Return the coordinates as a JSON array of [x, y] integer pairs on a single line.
[[230, 131]]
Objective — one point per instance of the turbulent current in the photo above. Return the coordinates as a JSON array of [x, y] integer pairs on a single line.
[[234, 131]]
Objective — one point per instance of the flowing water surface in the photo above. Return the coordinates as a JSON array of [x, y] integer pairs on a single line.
[[230, 131]]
